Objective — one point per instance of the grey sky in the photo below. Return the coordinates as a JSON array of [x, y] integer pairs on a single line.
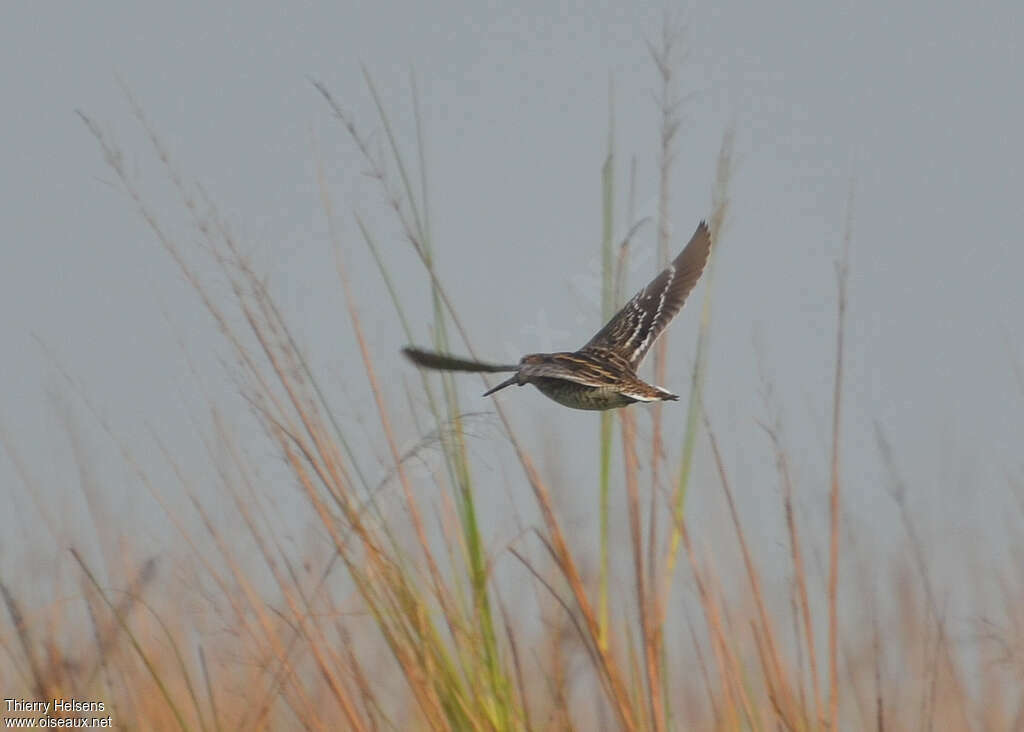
[[920, 105]]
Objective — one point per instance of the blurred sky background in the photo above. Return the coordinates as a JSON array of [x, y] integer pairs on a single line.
[[917, 106]]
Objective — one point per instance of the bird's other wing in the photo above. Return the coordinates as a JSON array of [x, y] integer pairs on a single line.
[[443, 362], [634, 329]]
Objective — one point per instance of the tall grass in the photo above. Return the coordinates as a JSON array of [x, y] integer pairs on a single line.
[[608, 305], [395, 618]]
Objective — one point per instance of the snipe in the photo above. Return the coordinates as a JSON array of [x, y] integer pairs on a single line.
[[602, 374]]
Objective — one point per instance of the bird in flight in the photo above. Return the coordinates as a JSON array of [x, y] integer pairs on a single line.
[[601, 374]]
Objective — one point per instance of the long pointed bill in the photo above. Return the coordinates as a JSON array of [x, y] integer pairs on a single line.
[[507, 382]]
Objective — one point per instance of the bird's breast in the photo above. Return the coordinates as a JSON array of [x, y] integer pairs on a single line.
[[581, 396]]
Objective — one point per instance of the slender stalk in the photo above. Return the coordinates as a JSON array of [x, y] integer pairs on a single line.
[[719, 213], [842, 272], [664, 58], [209, 689], [607, 310], [799, 570], [774, 673], [648, 630]]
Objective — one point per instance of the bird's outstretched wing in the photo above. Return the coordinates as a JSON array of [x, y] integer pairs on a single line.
[[634, 329], [442, 362]]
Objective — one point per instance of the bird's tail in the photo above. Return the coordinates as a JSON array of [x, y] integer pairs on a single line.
[[442, 362]]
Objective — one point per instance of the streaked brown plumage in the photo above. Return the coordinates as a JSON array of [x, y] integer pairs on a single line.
[[602, 374]]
